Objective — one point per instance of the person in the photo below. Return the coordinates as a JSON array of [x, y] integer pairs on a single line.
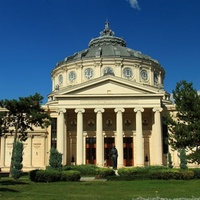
[[114, 156]]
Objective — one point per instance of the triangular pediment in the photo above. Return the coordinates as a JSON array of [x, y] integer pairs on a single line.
[[108, 85]]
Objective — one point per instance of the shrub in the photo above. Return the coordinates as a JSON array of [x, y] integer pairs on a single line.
[[186, 174], [16, 169], [170, 161], [46, 175], [85, 170], [55, 159], [104, 172], [70, 175], [196, 172], [32, 174], [183, 159]]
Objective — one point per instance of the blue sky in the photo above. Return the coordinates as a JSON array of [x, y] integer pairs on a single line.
[[36, 34]]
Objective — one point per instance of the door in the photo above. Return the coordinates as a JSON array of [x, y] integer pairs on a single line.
[[108, 144], [91, 151], [128, 151]]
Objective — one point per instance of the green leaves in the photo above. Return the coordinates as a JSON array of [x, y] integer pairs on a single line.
[[185, 127], [23, 114]]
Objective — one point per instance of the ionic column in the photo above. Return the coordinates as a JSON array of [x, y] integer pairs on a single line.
[[30, 149], [3, 146], [119, 137], [99, 137], [139, 141], [60, 131], [79, 143], [157, 136]]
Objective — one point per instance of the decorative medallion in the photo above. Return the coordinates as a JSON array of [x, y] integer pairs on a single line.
[[60, 79], [156, 78], [127, 122], [73, 123], [88, 73], [144, 74], [72, 76], [91, 122], [109, 122], [127, 72]]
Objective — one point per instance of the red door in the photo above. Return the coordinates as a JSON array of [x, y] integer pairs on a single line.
[[91, 151], [108, 144], [128, 151]]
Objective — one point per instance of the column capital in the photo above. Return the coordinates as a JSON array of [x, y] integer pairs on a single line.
[[61, 110], [159, 109], [79, 110], [139, 109], [101, 110], [119, 110]]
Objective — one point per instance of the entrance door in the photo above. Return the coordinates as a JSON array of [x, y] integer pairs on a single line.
[[128, 151], [91, 151], [108, 144]]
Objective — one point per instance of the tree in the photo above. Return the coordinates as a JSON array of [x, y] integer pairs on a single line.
[[22, 115], [170, 165], [16, 170], [55, 159], [184, 129], [183, 159]]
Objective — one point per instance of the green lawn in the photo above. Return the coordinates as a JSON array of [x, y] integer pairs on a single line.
[[111, 190]]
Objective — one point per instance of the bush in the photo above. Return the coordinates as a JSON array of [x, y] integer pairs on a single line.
[[85, 170], [70, 175], [104, 173], [55, 159], [45, 175], [196, 172], [32, 174], [16, 163], [140, 172], [54, 175], [172, 174]]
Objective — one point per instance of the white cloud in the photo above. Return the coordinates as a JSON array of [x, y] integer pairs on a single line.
[[134, 4]]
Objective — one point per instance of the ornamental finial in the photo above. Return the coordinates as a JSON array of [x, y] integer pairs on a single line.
[[107, 31]]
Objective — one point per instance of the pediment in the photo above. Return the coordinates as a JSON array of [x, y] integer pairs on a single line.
[[108, 85]]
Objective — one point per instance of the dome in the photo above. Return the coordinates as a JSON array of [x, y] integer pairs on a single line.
[[107, 55], [107, 45]]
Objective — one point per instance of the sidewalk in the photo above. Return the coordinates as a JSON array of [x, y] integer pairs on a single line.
[[87, 179]]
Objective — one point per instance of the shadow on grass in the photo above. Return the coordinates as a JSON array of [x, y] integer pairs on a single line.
[[12, 182], [7, 190]]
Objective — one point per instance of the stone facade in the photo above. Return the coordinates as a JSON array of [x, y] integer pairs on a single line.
[[105, 95]]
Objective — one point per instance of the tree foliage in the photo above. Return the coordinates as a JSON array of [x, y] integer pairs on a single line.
[[21, 115], [185, 127], [16, 170], [55, 159], [183, 159]]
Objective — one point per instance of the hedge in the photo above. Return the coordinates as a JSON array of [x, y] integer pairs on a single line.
[[54, 175]]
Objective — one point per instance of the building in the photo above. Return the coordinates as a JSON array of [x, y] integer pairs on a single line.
[[105, 95]]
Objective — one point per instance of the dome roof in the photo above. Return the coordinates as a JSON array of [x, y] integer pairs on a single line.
[[107, 45]]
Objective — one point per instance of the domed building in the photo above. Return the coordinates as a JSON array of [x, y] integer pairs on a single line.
[[106, 95]]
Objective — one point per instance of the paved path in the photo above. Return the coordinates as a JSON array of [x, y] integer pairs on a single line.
[[91, 179]]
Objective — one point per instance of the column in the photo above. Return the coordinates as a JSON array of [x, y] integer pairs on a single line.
[[79, 142], [99, 137], [139, 140], [157, 136], [60, 132], [30, 150], [119, 137], [3, 146]]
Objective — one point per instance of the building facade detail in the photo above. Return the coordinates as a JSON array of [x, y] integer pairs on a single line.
[[106, 95]]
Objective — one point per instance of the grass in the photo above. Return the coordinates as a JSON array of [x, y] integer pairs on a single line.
[[111, 190]]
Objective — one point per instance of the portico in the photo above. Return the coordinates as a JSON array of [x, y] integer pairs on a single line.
[[93, 125]]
